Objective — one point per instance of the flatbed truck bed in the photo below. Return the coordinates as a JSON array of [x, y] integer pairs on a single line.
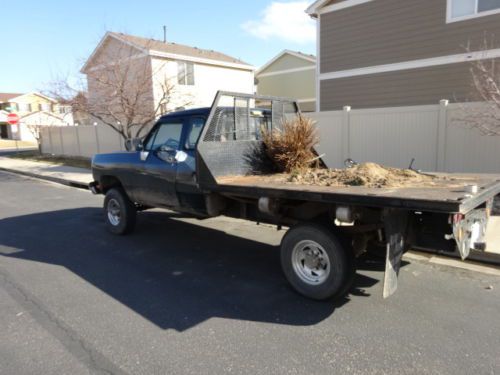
[[449, 195]]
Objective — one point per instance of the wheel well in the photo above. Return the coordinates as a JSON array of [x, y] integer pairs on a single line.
[[109, 182]]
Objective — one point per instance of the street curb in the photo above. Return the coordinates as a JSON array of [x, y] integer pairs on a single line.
[[469, 264], [57, 180], [492, 259]]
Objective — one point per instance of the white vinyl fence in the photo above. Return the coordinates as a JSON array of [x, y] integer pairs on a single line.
[[83, 141], [432, 135]]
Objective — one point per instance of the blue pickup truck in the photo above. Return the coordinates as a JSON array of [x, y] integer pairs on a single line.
[[206, 162]]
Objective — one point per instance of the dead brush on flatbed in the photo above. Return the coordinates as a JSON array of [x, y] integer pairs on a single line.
[[291, 148], [291, 151]]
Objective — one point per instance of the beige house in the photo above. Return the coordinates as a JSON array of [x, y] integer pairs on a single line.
[[389, 53], [290, 74], [194, 74], [33, 109]]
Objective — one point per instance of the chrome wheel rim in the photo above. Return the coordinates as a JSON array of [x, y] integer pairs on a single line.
[[310, 262], [114, 212]]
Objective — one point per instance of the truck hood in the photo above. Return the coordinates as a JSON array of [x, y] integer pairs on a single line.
[[114, 159]]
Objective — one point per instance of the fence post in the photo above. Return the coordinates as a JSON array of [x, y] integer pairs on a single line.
[[77, 135], [97, 139], [346, 139], [61, 138], [49, 130], [120, 143], [441, 136]]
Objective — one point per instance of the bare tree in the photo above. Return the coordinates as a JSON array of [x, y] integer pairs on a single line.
[[126, 92], [36, 131], [485, 75]]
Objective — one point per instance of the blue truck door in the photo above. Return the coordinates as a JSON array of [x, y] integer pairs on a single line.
[[157, 178]]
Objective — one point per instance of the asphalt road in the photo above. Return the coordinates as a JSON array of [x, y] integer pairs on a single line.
[[182, 296]]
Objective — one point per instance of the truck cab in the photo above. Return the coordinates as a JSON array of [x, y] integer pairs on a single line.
[[161, 169]]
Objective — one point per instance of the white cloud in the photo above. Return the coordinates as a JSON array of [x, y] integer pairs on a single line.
[[284, 20]]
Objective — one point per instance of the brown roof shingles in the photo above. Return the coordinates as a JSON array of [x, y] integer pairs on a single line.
[[178, 49], [6, 96]]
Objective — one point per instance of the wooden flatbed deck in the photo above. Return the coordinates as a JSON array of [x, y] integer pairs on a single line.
[[446, 196]]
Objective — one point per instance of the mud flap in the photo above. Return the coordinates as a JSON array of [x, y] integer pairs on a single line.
[[396, 224]]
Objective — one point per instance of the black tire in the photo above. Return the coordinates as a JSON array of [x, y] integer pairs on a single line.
[[308, 237], [119, 212]]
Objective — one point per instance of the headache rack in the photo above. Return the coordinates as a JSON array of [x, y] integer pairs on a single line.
[[230, 142]]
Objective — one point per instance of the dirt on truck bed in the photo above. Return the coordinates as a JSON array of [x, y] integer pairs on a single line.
[[366, 174], [370, 175]]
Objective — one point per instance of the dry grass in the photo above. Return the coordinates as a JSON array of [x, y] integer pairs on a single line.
[[9, 143], [292, 147], [70, 161]]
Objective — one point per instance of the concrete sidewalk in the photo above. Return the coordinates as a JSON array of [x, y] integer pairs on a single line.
[[71, 176]]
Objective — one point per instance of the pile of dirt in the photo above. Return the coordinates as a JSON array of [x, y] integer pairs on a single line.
[[367, 175]]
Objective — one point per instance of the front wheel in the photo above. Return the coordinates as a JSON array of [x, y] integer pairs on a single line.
[[315, 262], [119, 212]]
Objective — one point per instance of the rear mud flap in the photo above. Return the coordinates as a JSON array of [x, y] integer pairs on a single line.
[[396, 225]]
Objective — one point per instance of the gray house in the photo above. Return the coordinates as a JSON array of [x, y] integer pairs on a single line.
[[388, 53], [290, 74]]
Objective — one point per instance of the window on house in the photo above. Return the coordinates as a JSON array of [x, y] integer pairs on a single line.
[[47, 107], [64, 109], [185, 73], [464, 9], [24, 107]]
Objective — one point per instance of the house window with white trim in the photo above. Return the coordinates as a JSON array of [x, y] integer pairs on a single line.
[[464, 9], [47, 107], [24, 107], [185, 73], [64, 109]]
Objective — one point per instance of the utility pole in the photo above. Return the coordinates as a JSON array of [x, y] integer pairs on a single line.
[[164, 34]]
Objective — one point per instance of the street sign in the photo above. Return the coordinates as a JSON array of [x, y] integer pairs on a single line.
[[14, 128], [12, 118]]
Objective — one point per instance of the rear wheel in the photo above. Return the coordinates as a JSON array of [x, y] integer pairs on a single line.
[[119, 212], [316, 263]]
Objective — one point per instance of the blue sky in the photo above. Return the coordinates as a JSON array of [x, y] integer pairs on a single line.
[[48, 40]]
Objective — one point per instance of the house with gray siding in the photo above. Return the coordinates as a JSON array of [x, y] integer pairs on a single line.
[[390, 53], [290, 74]]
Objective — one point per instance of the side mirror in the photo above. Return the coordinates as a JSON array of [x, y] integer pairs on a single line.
[[165, 156], [165, 148]]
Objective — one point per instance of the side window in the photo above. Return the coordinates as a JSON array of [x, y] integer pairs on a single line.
[[167, 134], [148, 144], [195, 127]]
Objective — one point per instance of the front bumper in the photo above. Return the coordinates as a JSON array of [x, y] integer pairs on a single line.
[[95, 188]]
